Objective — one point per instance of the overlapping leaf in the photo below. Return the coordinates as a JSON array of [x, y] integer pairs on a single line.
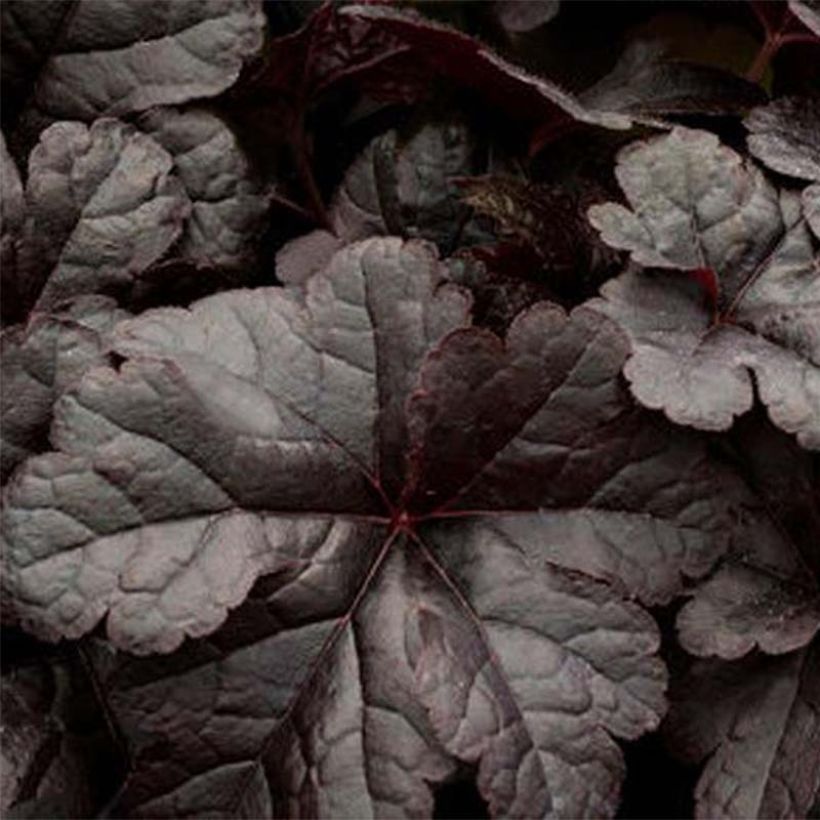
[[39, 360], [403, 187], [756, 722], [227, 202], [81, 60], [784, 135], [361, 447], [695, 206], [57, 755], [757, 718], [101, 206], [466, 61]]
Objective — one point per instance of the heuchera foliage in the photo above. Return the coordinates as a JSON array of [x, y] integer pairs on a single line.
[[398, 424]]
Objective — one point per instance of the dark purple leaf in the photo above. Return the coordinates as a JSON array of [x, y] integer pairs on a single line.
[[755, 723], [466, 61], [79, 60], [437, 519], [329, 51], [39, 360], [785, 135], [696, 205]]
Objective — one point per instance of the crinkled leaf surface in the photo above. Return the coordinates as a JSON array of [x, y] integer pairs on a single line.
[[443, 524], [398, 186], [38, 361], [102, 205], [90, 58], [227, 202], [785, 135], [758, 723], [695, 205], [646, 83]]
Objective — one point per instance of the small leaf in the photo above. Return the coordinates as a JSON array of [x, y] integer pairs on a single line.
[[695, 205], [785, 135]]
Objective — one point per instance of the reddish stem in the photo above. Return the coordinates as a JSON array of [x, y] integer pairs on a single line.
[[301, 158], [761, 62]]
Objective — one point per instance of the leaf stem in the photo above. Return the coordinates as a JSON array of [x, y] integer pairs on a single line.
[[764, 56], [301, 159]]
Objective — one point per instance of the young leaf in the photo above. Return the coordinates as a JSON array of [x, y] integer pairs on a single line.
[[398, 186], [785, 135], [81, 59], [439, 518], [39, 360], [695, 205], [755, 724]]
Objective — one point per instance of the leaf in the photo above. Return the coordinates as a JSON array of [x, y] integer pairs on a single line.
[[466, 61], [518, 17], [227, 203], [756, 722], [785, 136], [58, 757], [645, 83], [811, 207], [11, 219], [101, 206], [695, 205], [398, 186], [82, 60], [761, 597], [330, 50], [808, 13], [437, 519], [39, 360], [745, 607]]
